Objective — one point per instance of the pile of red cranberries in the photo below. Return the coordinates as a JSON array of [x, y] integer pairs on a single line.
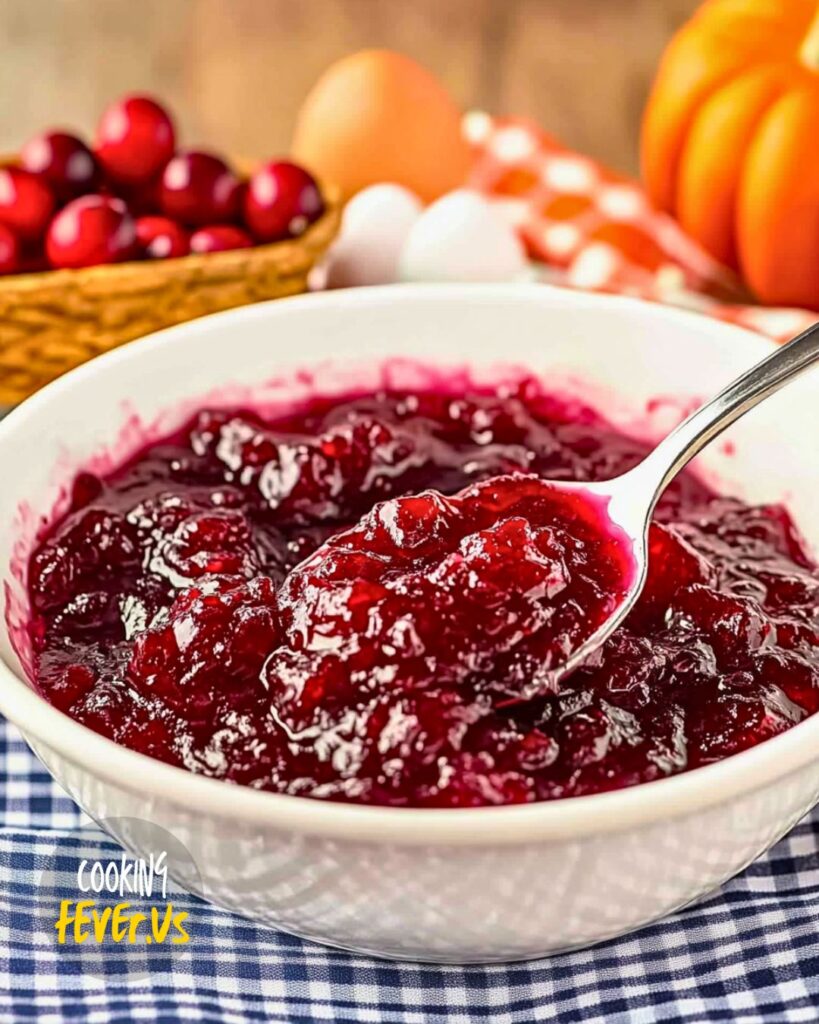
[[134, 195]]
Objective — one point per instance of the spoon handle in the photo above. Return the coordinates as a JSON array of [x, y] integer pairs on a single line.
[[694, 433]]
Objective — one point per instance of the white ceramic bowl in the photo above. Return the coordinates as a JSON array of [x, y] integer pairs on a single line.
[[458, 885]]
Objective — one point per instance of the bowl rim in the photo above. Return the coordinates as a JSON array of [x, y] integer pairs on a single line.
[[573, 817]]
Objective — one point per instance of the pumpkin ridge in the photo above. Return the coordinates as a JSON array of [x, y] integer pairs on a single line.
[[809, 50], [717, 47], [710, 167], [778, 203]]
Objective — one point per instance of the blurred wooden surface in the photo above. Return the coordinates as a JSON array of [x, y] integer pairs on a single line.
[[234, 71]]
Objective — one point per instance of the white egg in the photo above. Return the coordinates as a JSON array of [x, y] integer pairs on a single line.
[[374, 227], [463, 237]]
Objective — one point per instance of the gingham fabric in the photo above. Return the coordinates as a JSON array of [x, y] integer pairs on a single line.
[[593, 229], [749, 954]]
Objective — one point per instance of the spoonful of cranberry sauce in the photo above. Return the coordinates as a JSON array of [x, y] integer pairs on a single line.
[[507, 579]]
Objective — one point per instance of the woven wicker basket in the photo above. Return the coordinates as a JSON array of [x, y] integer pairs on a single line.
[[53, 321]]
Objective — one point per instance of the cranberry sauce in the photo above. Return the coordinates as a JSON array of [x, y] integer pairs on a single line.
[[340, 603]]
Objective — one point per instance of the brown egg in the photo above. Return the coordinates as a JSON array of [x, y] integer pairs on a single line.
[[378, 116]]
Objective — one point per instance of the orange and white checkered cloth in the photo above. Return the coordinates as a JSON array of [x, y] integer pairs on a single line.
[[593, 229]]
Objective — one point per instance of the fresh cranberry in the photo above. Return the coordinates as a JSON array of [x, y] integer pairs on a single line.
[[26, 203], [135, 139], [199, 189], [220, 237], [90, 230], [141, 200], [282, 200], [10, 259], [161, 238], [34, 260], [64, 161]]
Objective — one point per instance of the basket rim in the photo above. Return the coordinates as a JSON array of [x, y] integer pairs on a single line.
[[313, 241]]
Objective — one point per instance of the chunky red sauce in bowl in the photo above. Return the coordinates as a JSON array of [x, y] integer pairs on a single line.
[[346, 602], [164, 603]]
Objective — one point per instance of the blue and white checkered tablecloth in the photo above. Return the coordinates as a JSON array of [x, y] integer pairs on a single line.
[[749, 954]]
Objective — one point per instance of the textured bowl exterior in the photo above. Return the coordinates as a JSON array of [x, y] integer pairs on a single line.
[[455, 886], [439, 902]]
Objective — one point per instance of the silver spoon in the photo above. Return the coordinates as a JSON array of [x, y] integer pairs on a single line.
[[630, 499]]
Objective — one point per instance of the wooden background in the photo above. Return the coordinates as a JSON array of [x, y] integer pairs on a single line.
[[234, 71]]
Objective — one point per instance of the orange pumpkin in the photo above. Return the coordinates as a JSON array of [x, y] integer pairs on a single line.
[[730, 142]]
